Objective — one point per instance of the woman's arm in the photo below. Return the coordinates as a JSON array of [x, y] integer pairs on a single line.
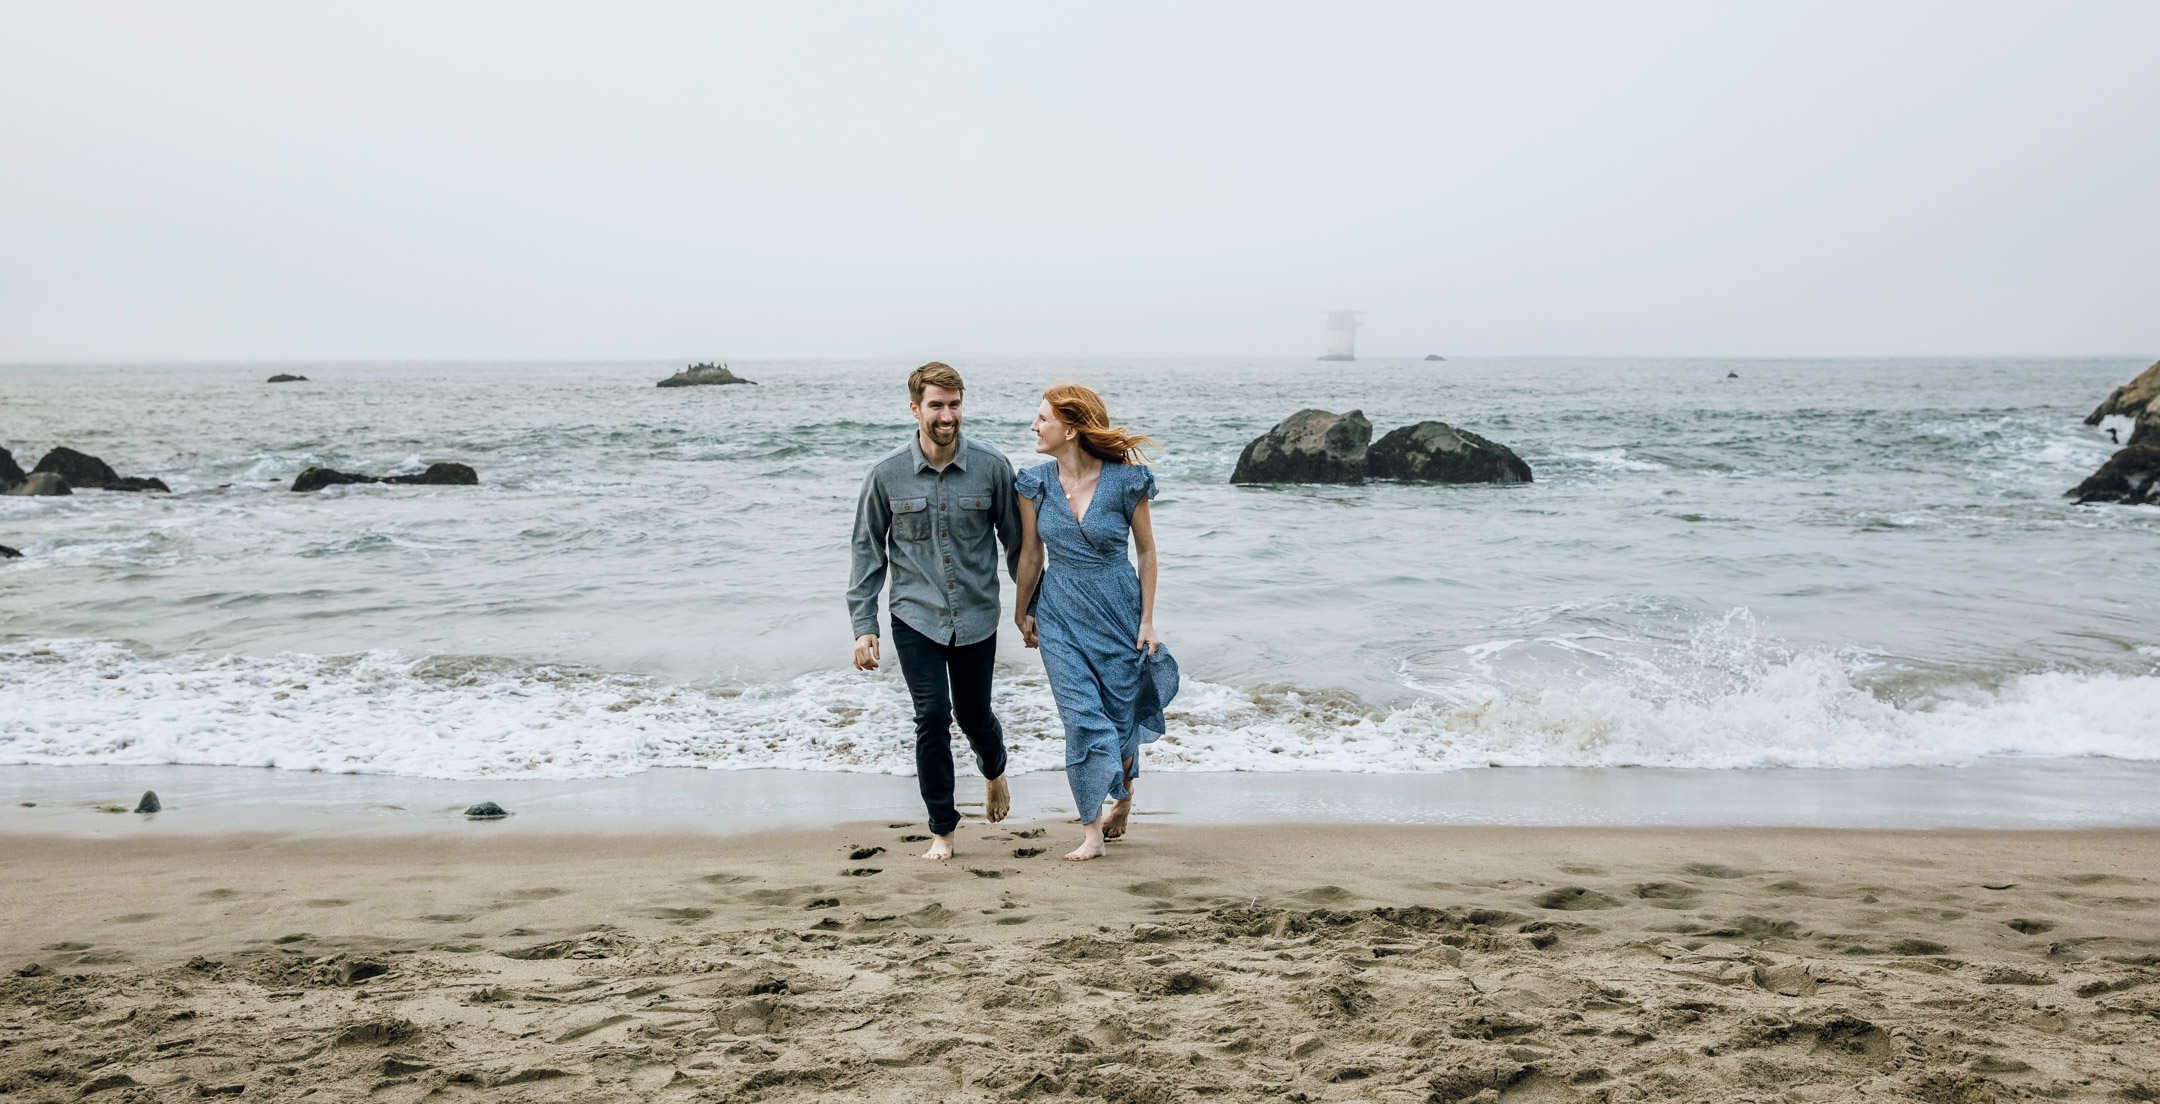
[[1028, 573], [1143, 539]]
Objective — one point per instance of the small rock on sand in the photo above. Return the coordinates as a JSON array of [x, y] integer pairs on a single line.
[[487, 810], [149, 802]]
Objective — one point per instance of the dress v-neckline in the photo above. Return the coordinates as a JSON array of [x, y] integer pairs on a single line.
[[1080, 516]]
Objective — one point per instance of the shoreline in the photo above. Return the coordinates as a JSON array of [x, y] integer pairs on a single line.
[[1242, 963], [2057, 794]]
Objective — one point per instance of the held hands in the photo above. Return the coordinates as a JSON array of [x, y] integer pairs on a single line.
[[1148, 639], [866, 652], [1026, 624]]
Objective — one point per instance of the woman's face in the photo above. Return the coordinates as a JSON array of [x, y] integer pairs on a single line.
[[1051, 432]]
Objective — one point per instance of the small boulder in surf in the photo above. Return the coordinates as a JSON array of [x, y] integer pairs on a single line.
[[82, 470], [7, 553], [41, 483], [1436, 452], [1310, 446], [442, 474], [11, 472], [2130, 477], [2131, 399]]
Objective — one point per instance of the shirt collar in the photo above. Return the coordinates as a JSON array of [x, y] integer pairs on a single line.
[[959, 457]]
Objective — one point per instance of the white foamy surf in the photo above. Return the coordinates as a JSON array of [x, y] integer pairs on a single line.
[[99, 702]]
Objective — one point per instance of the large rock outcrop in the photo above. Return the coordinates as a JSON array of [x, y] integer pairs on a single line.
[[1310, 446], [11, 472], [87, 472], [40, 483], [1436, 452], [448, 475], [2131, 477], [2131, 399], [2147, 429], [701, 374]]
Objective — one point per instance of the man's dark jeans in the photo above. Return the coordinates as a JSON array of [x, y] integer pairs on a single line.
[[949, 681]]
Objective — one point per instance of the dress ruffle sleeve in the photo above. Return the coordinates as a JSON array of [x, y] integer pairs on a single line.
[[1028, 482], [1139, 488]]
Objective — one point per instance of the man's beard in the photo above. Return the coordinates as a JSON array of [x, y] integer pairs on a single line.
[[943, 433]]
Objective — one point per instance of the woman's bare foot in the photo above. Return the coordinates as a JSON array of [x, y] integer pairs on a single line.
[[1091, 847], [1113, 825], [940, 847], [997, 799]]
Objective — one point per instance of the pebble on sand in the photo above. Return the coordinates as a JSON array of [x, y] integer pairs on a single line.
[[149, 802], [487, 810]]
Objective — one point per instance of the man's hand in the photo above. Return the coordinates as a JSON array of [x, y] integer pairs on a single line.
[[866, 654], [1027, 631]]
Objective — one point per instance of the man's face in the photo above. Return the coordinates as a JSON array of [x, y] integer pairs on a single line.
[[939, 414]]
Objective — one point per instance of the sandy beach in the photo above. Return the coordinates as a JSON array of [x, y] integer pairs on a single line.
[[1300, 963]]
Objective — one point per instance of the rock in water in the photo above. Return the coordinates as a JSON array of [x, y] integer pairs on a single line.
[[40, 483], [11, 473], [698, 374], [283, 378], [2147, 430], [83, 470], [7, 553], [446, 474], [1436, 452], [487, 810], [149, 802], [2131, 399], [1434, 356], [2131, 477], [1310, 446], [78, 468]]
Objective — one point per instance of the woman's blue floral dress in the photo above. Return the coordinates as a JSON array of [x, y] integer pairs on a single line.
[[1109, 693]]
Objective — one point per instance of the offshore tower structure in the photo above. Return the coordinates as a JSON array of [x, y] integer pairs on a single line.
[[1342, 335]]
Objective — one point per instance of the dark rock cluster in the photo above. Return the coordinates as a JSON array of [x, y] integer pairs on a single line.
[[2131, 476], [282, 377], [446, 474], [64, 471], [1318, 446]]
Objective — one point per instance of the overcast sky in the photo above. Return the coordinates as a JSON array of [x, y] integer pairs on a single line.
[[435, 180]]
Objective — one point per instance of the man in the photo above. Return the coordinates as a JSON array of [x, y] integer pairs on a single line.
[[931, 514]]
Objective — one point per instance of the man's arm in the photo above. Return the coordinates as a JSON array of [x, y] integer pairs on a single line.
[[1007, 514], [873, 521]]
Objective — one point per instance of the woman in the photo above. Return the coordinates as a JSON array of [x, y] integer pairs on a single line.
[[1091, 612]]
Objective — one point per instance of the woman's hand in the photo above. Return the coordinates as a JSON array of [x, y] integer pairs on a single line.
[[1027, 629], [1148, 639]]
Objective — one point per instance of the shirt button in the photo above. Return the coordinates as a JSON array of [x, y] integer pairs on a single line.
[[948, 586], [941, 505], [948, 559]]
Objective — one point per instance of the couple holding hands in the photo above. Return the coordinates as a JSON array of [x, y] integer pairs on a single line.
[[931, 516]]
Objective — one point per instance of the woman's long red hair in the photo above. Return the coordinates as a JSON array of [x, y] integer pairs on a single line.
[[1083, 410]]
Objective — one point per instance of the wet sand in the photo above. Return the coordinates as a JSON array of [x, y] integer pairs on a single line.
[[1269, 962]]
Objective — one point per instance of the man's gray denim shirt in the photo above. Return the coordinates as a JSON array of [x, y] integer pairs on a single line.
[[938, 532]]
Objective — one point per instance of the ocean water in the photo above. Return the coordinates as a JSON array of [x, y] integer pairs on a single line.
[[1821, 564]]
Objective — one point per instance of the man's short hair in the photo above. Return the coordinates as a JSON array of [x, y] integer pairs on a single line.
[[933, 374]]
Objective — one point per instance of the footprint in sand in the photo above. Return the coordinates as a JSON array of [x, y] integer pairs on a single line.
[[823, 903], [679, 915], [986, 873], [914, 839], [219, 894], [1715, 870], [861, 853], [723, 879], [1671, 895], [900, 826], [1026, 852], [1327, 894], [67, 946], [1574, 899], [861, 871], [1032, 833], [447, 917], [778, 896], [1165, 887], [2023, 926], [543, 893], [133, 918], [326, 902], [1582, 870]]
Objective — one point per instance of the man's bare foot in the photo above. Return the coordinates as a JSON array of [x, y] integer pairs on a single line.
[[997, 799], [1091, 847], [940, 847]]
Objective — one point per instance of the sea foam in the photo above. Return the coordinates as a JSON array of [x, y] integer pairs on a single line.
[[86, 701]]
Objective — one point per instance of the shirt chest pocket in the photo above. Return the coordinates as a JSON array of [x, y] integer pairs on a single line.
[[971, 516], [911, 518]]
